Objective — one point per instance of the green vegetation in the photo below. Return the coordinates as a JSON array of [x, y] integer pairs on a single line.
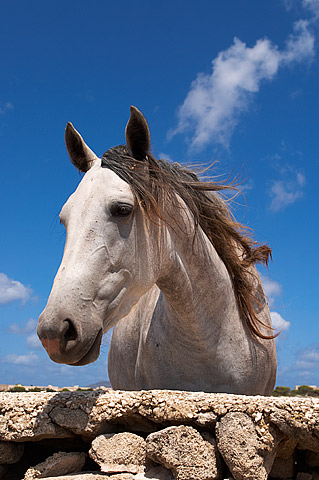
[[21, 388], [281, 392], [301, 391], [17, 388]]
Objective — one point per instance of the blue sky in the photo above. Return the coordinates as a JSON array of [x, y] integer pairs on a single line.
[[232, 82]]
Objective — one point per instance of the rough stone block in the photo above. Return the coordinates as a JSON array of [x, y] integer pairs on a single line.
[[286, 448], [93, 476], [248, 451], [157, 472], [36, 416], [184, 450], [281, 424], [72, 419], [119, 452], [312, 459], [304, 476], [283, 468], [298, 425], [10, 452], [58, 464]]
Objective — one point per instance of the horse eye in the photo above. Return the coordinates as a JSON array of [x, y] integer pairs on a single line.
[[121, 210]]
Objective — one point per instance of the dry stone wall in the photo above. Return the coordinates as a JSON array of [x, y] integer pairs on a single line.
[[159, 435]]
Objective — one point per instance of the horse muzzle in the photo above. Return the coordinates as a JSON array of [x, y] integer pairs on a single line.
[[66, 342]]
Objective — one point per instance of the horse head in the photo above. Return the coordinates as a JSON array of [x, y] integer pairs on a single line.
[[109, 259]]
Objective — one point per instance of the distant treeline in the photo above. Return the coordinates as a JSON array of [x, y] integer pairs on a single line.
[[302, 390], [22, 388]]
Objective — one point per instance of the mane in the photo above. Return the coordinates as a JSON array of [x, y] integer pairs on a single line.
[[156, 182]]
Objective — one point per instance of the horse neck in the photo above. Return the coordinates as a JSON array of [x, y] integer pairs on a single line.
[[197, 288]]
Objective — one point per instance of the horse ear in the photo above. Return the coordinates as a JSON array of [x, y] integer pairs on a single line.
[[137, 134], [80, 154]]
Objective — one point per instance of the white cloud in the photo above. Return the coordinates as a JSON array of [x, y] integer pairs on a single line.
[[16, 329], [30, 359], [272, 288], [299, 45], [301, 179], [11, 290], [33, 341], [287, 191], [288, 4], [215, 101], [4, 107], [67, 370], [313, 6], [165, 157], [29, 329], [295, 93], [279, 323], [305, 369], [308, 359], [282, 196]]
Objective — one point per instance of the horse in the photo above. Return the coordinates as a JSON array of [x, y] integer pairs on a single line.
[[156, 253]]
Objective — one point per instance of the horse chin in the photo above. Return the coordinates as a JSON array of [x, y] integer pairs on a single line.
[[92, 354]]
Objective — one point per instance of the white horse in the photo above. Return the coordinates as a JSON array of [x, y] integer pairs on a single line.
[[153, 252]]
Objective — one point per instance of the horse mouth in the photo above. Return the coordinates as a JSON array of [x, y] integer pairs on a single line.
[[93, 352]]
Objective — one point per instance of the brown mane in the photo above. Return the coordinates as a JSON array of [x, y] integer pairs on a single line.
[[210, 212]]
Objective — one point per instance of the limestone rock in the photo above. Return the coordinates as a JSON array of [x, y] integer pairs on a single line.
[[67, 416], [304, 476], [283, 468], [296, 424], [158, 475], [86, 476], [119, 452], [73, 419], [10, 452], [36, 416], [123, 476], [156, 472], [312, 459], [207, 419], [248, 452], [25, 416], [286, 448], [58, 464], [184, 450]]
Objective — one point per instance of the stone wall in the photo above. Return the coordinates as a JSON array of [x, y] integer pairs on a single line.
[[161, 435]]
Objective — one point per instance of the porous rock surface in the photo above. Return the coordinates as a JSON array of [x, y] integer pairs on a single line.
[[119, 452], [10, 452], [186, 452], [56, 465], [248, 449], [255, 438]]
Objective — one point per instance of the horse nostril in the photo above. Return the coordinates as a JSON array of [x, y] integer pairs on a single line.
[[69, 331]]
